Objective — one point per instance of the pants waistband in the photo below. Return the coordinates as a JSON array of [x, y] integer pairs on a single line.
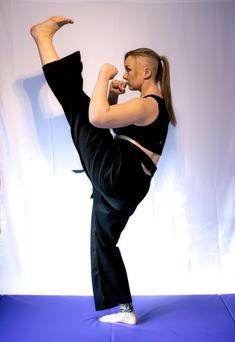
[[143, 157]]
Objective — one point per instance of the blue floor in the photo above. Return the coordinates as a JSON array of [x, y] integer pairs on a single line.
[[208, 318]]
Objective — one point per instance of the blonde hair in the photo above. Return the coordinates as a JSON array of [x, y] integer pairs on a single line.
[[162, 76]]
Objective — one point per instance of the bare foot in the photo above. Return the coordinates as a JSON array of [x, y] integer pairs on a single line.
[[48, 28], [120, 317]]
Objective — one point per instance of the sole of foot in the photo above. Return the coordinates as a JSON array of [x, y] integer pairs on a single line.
[[47, 28]]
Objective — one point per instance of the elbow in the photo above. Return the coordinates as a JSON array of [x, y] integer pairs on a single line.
[[94, 118], [97, 118], [95, 122]]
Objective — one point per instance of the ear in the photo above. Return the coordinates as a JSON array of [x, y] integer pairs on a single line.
[[147, 73]]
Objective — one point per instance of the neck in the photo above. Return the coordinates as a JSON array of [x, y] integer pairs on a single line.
[[150, 88]]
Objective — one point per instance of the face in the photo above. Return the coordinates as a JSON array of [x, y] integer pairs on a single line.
[[134, 72]]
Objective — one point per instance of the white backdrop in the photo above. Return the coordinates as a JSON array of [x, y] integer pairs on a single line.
[[182, 237]]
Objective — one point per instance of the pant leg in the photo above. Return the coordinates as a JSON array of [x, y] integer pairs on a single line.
[[95, 146], [109, 217], [109, 277]]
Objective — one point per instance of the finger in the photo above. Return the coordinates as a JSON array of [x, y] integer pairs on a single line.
[[116, 84], [122, 86]]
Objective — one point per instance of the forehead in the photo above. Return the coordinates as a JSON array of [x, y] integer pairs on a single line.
[[130, 60]]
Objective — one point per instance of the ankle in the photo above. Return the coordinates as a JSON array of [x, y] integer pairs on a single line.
[[127, 307], [40, 36]]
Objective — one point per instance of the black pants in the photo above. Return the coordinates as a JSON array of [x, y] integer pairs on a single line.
[[114, 169]]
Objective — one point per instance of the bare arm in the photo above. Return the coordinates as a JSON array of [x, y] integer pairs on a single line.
[[99, 104], [106, 113]]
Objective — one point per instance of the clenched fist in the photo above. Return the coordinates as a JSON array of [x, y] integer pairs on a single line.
[[117, 87]]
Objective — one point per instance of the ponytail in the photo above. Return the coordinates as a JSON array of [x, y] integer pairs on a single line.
[[163, 76]]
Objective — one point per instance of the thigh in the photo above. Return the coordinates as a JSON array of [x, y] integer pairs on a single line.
[[129, 184]]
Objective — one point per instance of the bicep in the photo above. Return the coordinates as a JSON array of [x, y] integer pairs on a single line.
[[135, 111]]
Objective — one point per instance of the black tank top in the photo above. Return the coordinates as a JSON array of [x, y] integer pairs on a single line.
[[152, 136]]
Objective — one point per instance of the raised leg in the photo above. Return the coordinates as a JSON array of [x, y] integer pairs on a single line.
[[43, 36]]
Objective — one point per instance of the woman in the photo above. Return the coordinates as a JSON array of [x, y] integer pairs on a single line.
[[120, 168]]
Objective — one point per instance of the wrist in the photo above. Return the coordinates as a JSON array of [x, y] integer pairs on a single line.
[[112, 98], [104, 75]]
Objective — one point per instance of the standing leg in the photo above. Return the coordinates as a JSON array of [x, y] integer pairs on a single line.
[[109, 277], [108, 270]]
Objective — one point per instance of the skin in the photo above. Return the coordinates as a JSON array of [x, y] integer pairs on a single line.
[[43, 34], [139, 111]]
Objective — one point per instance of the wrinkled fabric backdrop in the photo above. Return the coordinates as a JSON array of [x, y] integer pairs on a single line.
[[182, 237]]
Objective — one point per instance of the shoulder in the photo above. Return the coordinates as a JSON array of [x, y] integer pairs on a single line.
[[150, 108], [157, 98]]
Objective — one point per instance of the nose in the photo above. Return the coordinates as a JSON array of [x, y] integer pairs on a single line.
[[125, 76]]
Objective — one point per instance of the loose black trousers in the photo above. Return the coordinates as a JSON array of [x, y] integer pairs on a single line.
[[114, 169]]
